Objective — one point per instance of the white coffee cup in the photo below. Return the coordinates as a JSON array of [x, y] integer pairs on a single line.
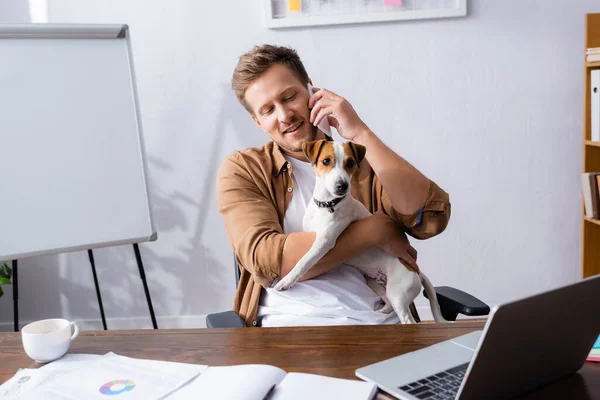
[[49, 339]]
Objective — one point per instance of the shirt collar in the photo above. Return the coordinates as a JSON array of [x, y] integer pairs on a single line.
[[279, 160]]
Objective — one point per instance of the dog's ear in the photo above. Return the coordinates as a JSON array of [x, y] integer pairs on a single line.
[[358, 151], [313, 149]]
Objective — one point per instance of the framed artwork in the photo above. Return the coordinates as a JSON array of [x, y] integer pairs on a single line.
[[295, 13]]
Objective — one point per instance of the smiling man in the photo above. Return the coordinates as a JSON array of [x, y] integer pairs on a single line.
[[263, 193]]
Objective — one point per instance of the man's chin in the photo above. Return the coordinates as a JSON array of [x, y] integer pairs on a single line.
[[294, 144], [293, 147]]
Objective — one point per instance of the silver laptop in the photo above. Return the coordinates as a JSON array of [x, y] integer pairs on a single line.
[[524, 345]]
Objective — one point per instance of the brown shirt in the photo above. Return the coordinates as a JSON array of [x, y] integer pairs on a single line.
[[254, 189]]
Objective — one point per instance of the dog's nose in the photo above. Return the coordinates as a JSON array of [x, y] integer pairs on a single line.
[[341, 186]]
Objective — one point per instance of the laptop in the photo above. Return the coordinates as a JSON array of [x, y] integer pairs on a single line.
[[524, 345]]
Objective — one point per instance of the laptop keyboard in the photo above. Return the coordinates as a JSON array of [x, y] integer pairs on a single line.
[[441, 386]]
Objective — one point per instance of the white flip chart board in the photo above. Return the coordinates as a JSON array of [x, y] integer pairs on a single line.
[[72, 164]]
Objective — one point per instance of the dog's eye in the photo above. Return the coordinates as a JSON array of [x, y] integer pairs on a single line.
[[327, 161], [350, 163]]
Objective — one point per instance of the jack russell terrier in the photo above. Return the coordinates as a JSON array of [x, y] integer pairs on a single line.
[[333, 208]]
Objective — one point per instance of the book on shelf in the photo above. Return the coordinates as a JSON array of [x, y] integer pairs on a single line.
[[595, 105], [590, 182], [592, 54]]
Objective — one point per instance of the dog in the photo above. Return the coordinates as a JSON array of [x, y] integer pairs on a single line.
[[333, 208]]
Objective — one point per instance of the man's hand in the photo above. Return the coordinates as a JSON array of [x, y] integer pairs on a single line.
[[339, 112], [393, 241]]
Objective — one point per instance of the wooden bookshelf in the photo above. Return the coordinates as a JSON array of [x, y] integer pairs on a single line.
[[590, 143], [592, 220], [591, 155]]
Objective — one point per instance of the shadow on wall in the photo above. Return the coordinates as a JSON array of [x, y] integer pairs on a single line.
[[198, 271], [189, 272], [190, 266], [183, 271]]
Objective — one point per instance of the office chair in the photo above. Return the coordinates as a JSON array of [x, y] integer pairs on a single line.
[[452, 302]]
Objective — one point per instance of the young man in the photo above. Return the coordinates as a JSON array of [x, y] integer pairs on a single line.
[[263, 193]]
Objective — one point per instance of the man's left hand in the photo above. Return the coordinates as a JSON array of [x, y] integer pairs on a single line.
[[339, 112]]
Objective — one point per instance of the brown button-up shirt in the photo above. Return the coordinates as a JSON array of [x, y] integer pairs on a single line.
[[254, 189]]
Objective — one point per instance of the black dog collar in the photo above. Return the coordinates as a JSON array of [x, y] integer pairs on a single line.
[[328, 204]]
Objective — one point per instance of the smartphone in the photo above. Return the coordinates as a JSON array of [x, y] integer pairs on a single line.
[[324, 124]]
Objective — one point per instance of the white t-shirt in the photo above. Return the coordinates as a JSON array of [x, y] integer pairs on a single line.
[[338, 297]]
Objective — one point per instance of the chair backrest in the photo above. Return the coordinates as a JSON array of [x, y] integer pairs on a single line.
[[237, 271]]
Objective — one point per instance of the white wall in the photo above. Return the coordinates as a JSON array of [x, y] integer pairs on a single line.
[[14, 11], [489, 106]]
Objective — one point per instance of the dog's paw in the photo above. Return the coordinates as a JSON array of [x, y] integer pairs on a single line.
[[386, 309], [284, 284]]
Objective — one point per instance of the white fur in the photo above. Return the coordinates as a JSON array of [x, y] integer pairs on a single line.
[[403, 285]]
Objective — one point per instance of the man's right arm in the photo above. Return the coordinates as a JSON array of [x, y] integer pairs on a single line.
[[357, 238], [379, 230], [254, 232]]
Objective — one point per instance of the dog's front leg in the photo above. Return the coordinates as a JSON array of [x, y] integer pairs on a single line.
[[323, 243]]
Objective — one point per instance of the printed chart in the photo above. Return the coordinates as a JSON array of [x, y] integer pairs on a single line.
[[294, 13]]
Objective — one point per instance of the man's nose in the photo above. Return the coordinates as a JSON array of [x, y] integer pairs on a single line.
[[284, 114]]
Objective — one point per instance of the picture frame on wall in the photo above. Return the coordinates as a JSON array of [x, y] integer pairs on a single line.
[[299, 13]]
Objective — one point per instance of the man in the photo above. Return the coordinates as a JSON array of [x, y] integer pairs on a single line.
[[263, 193]]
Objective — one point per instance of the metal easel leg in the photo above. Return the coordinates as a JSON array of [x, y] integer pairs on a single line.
[[15, 277], [140, 264], [98, 295]]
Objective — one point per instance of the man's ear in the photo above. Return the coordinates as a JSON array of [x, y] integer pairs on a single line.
[[358, 151], [313, 149]]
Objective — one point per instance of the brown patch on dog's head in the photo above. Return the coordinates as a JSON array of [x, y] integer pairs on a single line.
[[312, 149], [321, 155], [353, 155]]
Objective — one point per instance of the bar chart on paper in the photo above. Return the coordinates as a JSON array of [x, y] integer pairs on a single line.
[[291, 13]]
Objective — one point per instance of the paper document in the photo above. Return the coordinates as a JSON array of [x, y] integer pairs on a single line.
[[259, 382], [238, 382], [27, 379], [298, 386], [111, 375]]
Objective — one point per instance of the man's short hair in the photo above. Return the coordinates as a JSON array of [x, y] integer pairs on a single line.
[[254, 63]]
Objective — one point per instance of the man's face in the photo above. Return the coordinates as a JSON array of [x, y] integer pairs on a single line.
[[279, 104]]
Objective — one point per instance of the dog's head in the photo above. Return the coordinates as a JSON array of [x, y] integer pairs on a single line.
[[334, 163]]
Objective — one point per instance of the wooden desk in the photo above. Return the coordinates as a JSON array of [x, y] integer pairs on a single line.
[[331, 351]]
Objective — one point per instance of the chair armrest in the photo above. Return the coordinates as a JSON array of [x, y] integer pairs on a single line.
[[226, 319], [453, 302]]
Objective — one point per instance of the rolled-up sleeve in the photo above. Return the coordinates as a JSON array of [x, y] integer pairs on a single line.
[[251, 221], [430, 220]]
